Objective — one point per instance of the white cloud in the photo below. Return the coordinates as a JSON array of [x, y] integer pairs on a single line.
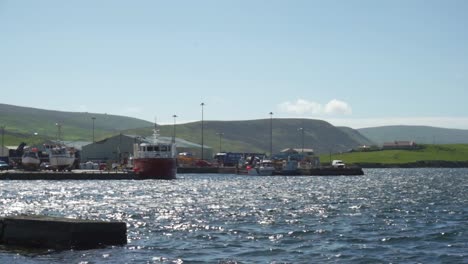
[[301, 106], [336, 107]]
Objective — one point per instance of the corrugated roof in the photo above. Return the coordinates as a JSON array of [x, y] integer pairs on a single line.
[[182, 143], [76, 144]]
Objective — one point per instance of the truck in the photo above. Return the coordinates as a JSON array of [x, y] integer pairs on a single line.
[[338, 164]]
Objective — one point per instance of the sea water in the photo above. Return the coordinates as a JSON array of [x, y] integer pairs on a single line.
[[385, 216]]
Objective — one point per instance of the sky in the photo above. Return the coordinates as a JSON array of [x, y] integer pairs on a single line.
[[356, 63]]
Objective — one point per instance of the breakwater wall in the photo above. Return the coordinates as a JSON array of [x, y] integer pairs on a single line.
[[329, 171], [119, 175], [60, 233], [42, 175]]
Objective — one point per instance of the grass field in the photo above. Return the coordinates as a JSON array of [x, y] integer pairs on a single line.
[[450, 152]]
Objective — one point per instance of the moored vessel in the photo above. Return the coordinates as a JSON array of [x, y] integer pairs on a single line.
[[155, 159], [263, 168], [60, 157], [30, 159]]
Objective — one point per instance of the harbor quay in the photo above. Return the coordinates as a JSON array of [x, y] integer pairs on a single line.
[[130, 175], [67, 175]]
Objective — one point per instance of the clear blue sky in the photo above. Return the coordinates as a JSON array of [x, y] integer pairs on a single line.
[[356, 63]]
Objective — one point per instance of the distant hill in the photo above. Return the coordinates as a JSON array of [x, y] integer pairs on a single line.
[[419, 134], [237, 136], [75, 125], [354, 134], [254, 135]]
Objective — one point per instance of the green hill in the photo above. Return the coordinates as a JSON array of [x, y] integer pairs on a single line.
[[254, 135], [22, 122], [448, 152], [354, 134], [419, 134], [237, 136]]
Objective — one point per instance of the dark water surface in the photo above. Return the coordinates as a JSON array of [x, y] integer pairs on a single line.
[[388, 215]]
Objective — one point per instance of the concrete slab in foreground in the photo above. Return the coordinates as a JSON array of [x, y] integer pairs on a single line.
[[60, 233]]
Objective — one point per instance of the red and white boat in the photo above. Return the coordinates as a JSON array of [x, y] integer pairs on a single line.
[[30, 159], [156, 159]]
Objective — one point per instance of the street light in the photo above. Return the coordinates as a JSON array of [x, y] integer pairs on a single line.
[[202, 105], [93, 118], [302, 132], [59, 130], [173, 133], [33, 139], [271, 134], [220, 136], [3, 136]]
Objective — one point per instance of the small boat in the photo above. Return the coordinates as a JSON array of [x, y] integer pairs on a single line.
[[60, 157], [156, 159], [290, 167], [30, 159], [263, 168]]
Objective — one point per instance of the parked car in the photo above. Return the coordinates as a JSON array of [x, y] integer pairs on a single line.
[[203, 163], [338, 164], [45, 166], [4, 165]]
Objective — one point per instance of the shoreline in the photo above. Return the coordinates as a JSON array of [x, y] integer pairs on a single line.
[[418, 164]]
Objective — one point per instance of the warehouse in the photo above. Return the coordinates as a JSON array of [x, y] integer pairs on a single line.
[[120, 147]]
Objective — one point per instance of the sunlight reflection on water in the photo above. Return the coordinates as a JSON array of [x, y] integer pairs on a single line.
[[420, 214]]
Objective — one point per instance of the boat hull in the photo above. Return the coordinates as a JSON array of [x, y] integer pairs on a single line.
[[155, 168], [60, 162], [261, 171], [30, 163]]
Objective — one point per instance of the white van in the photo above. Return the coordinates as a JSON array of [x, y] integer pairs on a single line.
[[338, 164]]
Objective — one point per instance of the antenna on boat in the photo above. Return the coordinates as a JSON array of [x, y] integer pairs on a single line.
[[155, 130], [59, 131]]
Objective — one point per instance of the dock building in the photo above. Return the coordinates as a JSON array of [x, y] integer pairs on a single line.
[[120, 147]]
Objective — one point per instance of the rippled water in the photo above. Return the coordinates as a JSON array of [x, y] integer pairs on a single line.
[[392, 215]]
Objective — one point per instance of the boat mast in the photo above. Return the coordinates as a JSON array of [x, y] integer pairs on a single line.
[[59, 131], [155, 132]]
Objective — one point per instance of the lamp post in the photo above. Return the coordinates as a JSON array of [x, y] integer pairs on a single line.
[[173, 132], [271, 134], [93, 118], [220, 136], [302, 140], [36, 136], [59, 128], [3, 136], [202, 150]]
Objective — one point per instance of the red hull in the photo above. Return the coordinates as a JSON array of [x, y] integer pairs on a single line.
[[155, 168]]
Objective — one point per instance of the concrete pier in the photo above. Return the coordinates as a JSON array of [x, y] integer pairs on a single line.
[[100, 175], [73, 175], [60, 233], [330, 171], [217, 170]]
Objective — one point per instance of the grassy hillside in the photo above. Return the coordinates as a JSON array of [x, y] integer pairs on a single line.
[[354, 134], [448, 152], [23, 122], [419, 134], [238, 136], [254, 135]]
